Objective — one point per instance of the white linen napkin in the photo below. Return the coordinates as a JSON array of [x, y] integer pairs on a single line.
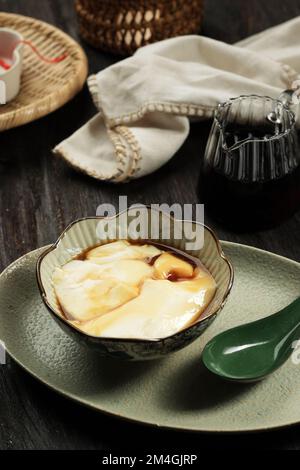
[[145, 101]]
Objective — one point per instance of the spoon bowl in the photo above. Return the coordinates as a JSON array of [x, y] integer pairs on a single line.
[[251, 352]]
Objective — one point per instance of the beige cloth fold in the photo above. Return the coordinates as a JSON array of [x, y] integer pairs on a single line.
[[145, 101]]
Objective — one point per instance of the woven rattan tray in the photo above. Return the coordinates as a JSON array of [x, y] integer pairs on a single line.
[[44, 87]]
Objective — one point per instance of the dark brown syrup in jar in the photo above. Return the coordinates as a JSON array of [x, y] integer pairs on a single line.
[[253, 187]]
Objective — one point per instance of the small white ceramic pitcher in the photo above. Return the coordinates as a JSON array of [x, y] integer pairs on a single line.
[[12, 52]]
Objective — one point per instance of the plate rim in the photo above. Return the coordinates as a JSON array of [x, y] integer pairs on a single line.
[[177, 428]]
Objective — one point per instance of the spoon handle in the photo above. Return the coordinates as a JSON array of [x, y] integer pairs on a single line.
[[289, 314], [288, 321]]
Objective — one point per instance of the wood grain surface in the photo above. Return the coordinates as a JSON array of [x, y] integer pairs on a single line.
[[40, 195]]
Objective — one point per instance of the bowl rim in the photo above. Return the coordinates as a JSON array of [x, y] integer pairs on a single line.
[[132, 340]]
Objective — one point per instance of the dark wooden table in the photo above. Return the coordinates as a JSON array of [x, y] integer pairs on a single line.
[[40, 195]]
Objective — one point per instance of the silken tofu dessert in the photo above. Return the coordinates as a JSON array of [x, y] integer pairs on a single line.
[[132, 290]]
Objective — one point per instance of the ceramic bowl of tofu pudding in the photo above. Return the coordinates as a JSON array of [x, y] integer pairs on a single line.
[[131, 297]]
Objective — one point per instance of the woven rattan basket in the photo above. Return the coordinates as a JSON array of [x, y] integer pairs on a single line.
[[44, 87], [122, 26]]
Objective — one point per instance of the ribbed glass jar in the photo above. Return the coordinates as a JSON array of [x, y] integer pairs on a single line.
[[250, 175]]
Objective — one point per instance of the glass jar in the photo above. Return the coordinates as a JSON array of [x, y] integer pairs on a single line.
[[250, 175]]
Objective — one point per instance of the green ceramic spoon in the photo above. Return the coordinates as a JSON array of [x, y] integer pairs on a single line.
[[252, 351]]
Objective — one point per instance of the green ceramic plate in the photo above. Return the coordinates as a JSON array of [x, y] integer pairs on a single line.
[[175, 392]]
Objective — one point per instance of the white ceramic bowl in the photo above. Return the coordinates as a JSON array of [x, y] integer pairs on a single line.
[[10, 50]]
